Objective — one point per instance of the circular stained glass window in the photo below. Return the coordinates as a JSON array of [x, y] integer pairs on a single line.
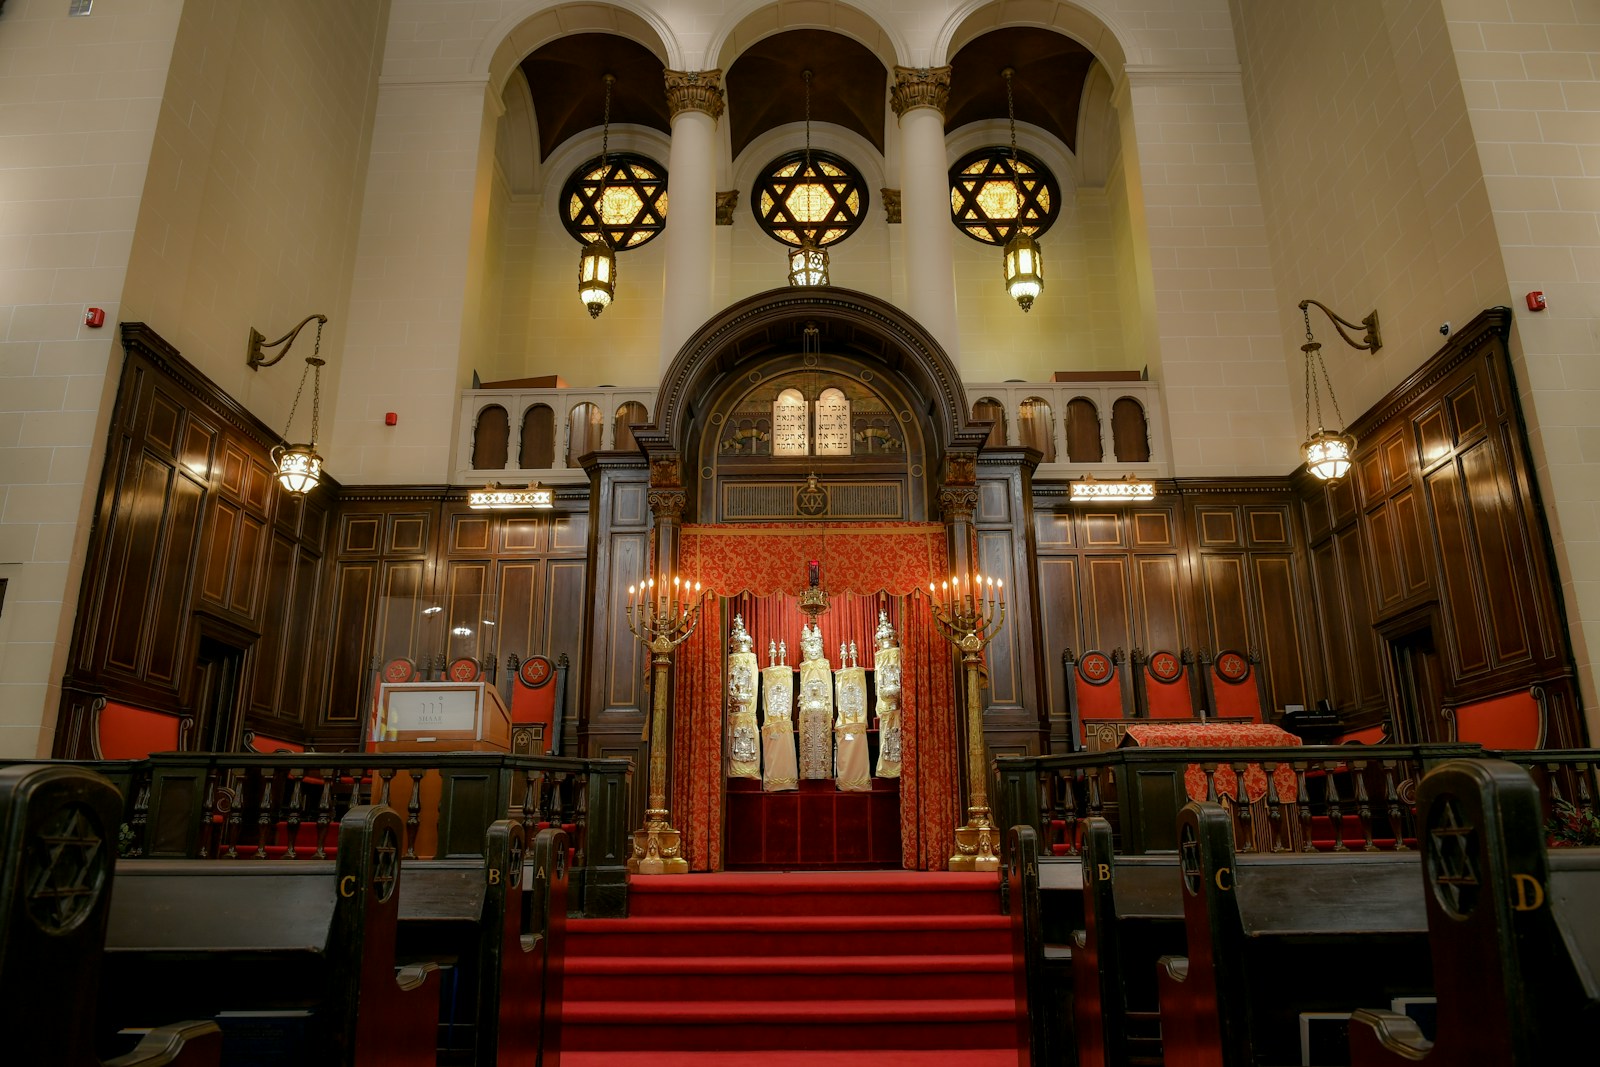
[[984, 199], [825, 199], [625, 199]]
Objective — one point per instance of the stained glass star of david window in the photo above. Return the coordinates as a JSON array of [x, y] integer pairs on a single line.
[[625, 199], [983, 195], [825, 200]]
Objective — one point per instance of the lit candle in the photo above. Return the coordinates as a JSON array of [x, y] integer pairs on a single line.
[[1002, 585]]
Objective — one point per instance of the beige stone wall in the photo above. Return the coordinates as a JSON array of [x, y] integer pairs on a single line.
[[1372, 195], [79, 99], [255, 182], [1530, 75]]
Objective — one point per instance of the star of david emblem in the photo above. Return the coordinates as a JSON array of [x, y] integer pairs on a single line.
[[1231, 667], [1096, 668], [385, 866], [1164, 666], [516, 863], [1189, 861], [66, 867], [1452, 860]]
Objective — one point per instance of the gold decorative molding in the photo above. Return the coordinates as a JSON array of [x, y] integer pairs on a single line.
[[916, 87], [694, 90], [891, 205], [958, 504], [726, 203]]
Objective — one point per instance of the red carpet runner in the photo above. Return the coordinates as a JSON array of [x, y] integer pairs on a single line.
[[886, 968]]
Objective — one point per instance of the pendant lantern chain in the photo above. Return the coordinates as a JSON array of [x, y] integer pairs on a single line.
[[808, 122], [1314, 365], [605, 130], [313, 361], [1011, 117]]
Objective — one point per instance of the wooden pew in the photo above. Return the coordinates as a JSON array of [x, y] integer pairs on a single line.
[[496, 920], [210, 936], [58, 825], [1513, 930], [1132, 916], [1273, 935], [1045, 898]]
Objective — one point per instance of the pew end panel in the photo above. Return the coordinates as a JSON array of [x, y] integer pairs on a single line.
[[58, 829], [279, 936], [1514, 934], [1273, 936], [1132, 915]]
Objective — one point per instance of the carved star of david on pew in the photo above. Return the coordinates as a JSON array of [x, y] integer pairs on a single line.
[[1189, 861], [1452, 848], [515, 874], [66, 868], [385, 864]]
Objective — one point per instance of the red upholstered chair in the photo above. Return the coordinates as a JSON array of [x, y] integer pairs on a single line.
[[538, 704], [1234, 687], [1510, 723], [1163, 684], [1096, 690]]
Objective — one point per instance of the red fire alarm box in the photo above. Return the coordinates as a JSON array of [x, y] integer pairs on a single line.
[[1536, 301], [95, 317]]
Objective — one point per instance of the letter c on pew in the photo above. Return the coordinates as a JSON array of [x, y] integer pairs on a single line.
[[494, 876], [1102, 871], [347, 886], [1530, 894], [1222, 873]]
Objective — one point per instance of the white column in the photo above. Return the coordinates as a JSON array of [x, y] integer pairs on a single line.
[[695, 99], [918, 98]]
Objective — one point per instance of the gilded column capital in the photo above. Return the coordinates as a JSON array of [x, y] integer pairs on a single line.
[[891, 205], [916, 87], [667, 504], [957, 503], [694, 90]]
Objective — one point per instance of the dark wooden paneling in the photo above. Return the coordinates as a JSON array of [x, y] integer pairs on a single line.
[[355, 586], [1464, 620], [1103, 529], [1416, 574], [1227, 609], [569, 534], [1152, 529], [167, 629], [1058, 623], [360, 534], [1004, 654], [624, 672], [1052, 530], [248, 560], [406, 533], [1388, 585], [1219, 527], [1108, 618], [523, 534], [1342, 690], [470, 533], [1284, 642], [1493, 515], [994, 501], [1159, 598], [566, 579]]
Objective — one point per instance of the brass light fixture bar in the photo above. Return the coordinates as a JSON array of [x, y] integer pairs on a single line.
[[254, 358], [1370, 343]]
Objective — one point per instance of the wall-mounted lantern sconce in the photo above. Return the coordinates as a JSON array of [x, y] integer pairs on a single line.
[[1328, 453], [299, 466]]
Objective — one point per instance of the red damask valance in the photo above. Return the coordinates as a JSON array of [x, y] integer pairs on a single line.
[[766, 558]]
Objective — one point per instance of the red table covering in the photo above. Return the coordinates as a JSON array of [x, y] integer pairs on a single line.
[[1223, 735]]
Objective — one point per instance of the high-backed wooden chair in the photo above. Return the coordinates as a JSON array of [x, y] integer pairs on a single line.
[[1164, 684], [1234, 685], [538, 704], [1096, 690]]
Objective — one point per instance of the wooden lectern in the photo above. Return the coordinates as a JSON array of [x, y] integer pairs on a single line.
[[435, 717]]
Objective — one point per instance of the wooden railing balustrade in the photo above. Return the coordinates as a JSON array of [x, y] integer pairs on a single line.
[[198, 805], [1343, 798]]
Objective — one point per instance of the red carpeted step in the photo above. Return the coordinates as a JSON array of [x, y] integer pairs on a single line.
[[757, 935], [841, 968], [965, 1057], [816, 893], [940, 977], [819, 1024]]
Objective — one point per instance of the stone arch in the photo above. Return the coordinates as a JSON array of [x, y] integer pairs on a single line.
[[537, 22], [1109, 43], [757, 19], [739, 337]]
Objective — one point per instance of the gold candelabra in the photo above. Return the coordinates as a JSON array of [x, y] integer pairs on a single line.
[[662, 620], [969, 613]]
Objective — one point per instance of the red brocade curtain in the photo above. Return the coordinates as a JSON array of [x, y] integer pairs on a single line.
[[697, 700], [760, 569]]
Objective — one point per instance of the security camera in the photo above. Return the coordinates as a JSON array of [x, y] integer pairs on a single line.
[[1444, 329]]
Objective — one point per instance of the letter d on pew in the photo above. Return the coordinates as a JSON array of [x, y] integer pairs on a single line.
[[1530, 894]]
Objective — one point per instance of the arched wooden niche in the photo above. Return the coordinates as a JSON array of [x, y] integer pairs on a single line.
[[889, 357], [826, 415]]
